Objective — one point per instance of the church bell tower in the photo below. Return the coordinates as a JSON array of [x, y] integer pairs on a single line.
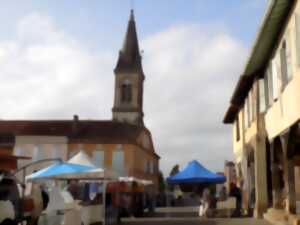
[[129, 79]]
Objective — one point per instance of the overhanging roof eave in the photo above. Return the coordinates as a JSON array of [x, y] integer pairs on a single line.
[[265, 43]]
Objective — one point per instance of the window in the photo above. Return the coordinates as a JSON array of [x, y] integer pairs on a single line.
[[54, 150], [152, 167], [283, 65], [98, 158], [18, 151], [118, 160], [126, 93], [148, 167], [286, 70], [146, 141], [37, 153], [237, 128]]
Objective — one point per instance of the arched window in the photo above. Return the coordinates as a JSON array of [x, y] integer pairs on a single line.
[[126, 92], [118, 157]]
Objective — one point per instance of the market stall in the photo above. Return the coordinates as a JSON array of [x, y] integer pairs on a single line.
[[195, 173], [78, 168]]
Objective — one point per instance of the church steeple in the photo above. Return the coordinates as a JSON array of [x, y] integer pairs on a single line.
[[129, 55], [129, 79]]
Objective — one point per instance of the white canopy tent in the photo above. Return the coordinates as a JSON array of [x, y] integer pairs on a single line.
[[81, 158], [95, 174]]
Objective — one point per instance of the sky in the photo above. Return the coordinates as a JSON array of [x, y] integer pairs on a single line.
[[57, 59]]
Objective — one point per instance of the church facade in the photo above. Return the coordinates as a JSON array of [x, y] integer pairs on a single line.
[[123, 144]]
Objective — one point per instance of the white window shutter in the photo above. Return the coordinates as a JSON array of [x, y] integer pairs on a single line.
[[297, 30], [275, 79], [262, 96], [270, 85], [288, 56], [250, 99], [246, 113]]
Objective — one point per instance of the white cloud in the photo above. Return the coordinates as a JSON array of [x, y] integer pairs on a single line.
[[190, 74], [190, 71], [46, 73]]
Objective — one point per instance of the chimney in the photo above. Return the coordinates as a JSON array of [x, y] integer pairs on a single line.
[[75, 123]]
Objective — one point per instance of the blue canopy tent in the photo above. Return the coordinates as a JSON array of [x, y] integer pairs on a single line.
[[63, 170], [193, 173]]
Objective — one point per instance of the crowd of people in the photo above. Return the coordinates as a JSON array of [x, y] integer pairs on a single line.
[[205, 198], [121, 204], [14, 207]]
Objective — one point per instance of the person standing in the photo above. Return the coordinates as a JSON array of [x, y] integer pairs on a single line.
[[223, 194], [235, 191]]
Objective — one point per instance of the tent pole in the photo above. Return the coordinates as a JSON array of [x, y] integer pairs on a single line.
[[104, 202]]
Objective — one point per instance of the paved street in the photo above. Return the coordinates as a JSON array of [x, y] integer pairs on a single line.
[[187, 221]]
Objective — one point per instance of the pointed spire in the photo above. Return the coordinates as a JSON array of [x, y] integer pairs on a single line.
[[131, 15], [129, 56]]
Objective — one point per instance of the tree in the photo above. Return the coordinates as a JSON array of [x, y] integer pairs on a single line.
[[174, 170], [161, 180]]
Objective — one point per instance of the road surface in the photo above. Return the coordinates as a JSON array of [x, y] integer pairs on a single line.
[[193, 221]]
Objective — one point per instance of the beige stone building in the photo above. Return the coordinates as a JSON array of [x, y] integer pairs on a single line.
[[265, 113], [123, 144]]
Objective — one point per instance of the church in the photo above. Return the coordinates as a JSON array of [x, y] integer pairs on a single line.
[[122, 144]]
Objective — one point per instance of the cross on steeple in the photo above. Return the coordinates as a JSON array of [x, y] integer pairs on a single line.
[[132, 4]]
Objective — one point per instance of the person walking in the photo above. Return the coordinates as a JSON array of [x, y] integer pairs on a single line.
[[205, 203]]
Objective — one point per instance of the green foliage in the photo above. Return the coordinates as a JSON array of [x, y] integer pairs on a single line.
[[161, 180], [174, 170]]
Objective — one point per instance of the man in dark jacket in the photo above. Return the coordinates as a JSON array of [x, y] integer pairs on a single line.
[[235, 191]]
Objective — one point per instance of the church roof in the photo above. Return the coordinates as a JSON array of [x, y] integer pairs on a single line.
[[129, 56], [77, 131]]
